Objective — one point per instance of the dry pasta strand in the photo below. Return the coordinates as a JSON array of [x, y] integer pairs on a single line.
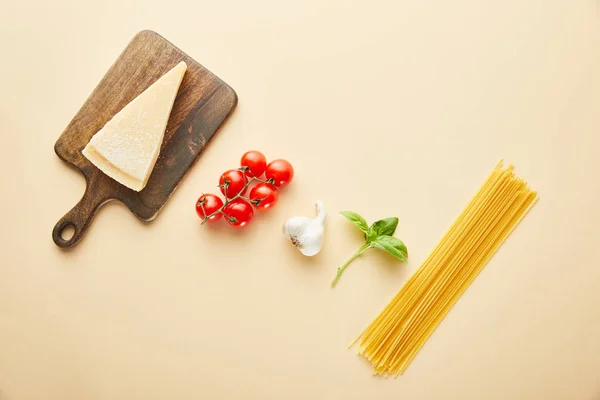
[[396, 335]]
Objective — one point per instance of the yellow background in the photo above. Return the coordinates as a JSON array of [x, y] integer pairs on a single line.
[[387, 108]]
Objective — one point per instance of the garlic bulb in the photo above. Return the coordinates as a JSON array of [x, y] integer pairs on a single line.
[[307, 233]]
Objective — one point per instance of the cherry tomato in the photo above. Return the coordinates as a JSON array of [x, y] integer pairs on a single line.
[[255, 163], [238, 213], [281, 171], [232, 182], [264, 196], [208, 204]]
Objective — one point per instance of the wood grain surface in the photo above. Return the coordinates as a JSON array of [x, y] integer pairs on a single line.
[[202, 105]]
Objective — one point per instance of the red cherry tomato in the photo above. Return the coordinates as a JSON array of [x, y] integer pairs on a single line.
[[264, 196], [238, 213], [232, 182], [254, 163], [208, 204], [281, 171]]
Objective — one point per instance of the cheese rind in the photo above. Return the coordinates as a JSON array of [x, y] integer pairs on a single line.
[[109, 169], [127, 147]]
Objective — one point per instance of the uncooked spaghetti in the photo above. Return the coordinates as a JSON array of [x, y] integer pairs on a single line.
[[393, 339]]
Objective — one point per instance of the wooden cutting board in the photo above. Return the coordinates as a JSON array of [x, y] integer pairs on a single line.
[[202, 105]]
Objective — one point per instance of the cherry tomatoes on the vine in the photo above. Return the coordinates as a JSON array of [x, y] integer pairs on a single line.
[[237, 209], [232, 182], [208, 204], [264, 196], [254, 163], [281, 171], [238, 213]]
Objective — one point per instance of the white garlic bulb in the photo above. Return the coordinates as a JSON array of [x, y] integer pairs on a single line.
[[307, 233]]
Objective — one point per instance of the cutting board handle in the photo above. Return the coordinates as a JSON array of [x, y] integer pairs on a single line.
[[79, 217]]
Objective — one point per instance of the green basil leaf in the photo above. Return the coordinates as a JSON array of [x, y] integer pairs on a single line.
[[356, 220], [385, 227], [392, 245]]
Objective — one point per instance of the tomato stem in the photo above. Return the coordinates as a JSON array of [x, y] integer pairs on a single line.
[[229, 200], [341, 269], [237, 196], [269, 181], [202, 207]]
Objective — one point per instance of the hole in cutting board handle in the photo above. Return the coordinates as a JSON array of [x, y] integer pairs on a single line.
[[67, 232]]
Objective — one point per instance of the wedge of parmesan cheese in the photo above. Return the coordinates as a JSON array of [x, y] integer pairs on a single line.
[[127, 147]]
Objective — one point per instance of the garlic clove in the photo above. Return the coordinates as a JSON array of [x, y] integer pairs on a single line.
[[311, 242], [307, 233]]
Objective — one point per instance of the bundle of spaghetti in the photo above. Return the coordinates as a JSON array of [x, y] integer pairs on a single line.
[[393, 339]]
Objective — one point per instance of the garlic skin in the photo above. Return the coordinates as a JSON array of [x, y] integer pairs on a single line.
[[307, 233]]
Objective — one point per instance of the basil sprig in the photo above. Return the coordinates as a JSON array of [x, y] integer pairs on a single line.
[[378, 235]]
